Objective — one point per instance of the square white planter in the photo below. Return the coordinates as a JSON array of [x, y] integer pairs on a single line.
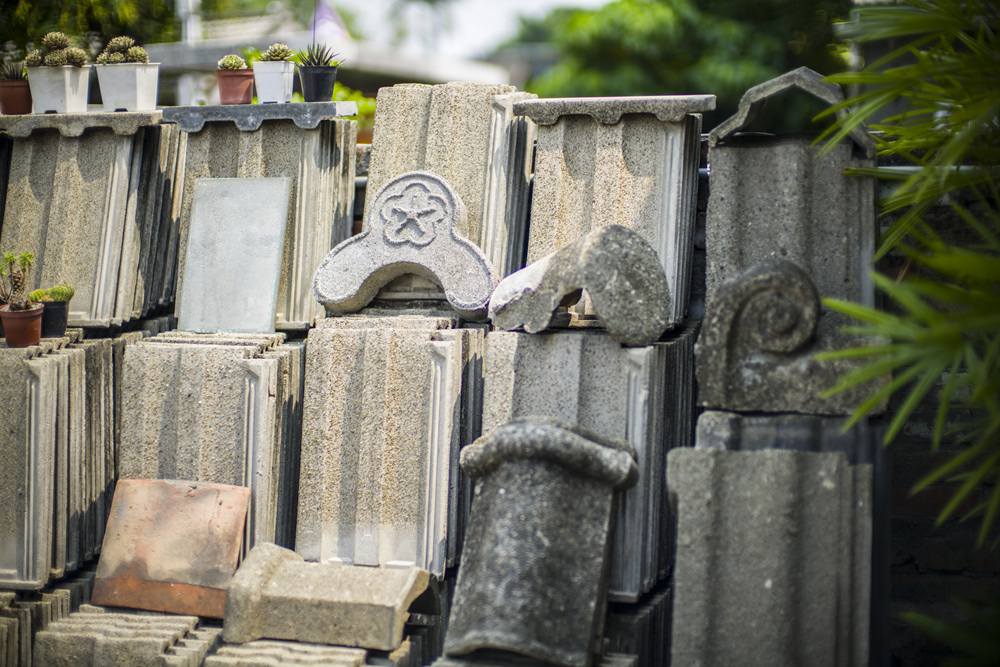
[[128, 86], [59, 89], [274, 80]]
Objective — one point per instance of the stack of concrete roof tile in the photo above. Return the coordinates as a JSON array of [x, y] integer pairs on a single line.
[[319, 157], [217, 408], [90, 195], [96, 636], [642, 395], [641, 629], [59, 456], [630, 161], [386, 402], [21, 619], [467, 134]]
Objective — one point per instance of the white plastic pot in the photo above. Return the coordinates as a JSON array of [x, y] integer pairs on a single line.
[[274, 80], [128, 86], [59, 89]]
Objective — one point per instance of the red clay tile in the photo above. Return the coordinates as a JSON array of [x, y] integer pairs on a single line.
[[171, 546]]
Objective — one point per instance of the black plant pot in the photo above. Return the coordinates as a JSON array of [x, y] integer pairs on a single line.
[[317, 83], [54, 319]]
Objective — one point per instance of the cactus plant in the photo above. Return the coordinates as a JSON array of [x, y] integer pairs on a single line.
[[232, 61], [55, 41], [14, 271], [76, 56], [122, 49], [275, 52], [136, 54], [56, 58], [35, 58], [61, 292], [56, 52], [120, 44]]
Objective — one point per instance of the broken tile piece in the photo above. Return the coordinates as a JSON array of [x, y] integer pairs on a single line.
[[412, 227], [171, 546], [620, 272], [278, 595]]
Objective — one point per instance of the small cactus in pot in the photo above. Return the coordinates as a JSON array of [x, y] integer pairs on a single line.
[[318, 72], [56, 314], [235, 80], [59, 75], [15, 95], [274, 74], [21, 317], [128, 80]]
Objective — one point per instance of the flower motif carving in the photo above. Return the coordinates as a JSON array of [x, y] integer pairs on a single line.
[[412, 216]]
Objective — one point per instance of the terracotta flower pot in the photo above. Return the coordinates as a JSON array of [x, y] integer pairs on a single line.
[[22, 327], [235, 85], [15, 97]]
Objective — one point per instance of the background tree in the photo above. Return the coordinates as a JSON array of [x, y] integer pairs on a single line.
[[147, 21], [658, 47]]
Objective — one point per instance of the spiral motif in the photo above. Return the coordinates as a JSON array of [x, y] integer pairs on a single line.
[[779, 320]]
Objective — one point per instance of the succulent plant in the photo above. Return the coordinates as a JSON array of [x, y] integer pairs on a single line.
[[277, 51], [136, 54], [39, 296], [120, 44], [55, 41], [11, 70], [14, 270], [35, 58], [56, 58], [318, 55], [76, 57], [114, 58], [232, 61], [61, 292]]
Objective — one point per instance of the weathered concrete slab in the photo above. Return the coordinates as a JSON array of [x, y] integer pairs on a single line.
[[757, 347], [774, 553], [319, 161], [467, 134], [617, 268], [248, 118], [28, 410], [533, 577], [268, 652], [382, 423], [615, 161], [172, 546], [277, 595], [642, 395], [773, 197], [412, 227], [76, 124], [232, 262]]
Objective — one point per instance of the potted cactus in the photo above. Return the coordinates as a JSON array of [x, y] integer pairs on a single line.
[[235, 80], [56, 313], [59, 76], [318, 73], [128, 80], [15, 95], [21, 318], [274, 75]]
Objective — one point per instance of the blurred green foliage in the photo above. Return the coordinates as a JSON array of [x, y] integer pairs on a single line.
[[660, 47]]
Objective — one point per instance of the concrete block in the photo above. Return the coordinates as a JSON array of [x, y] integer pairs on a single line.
[[306, 116], [269, 652], [320, 163], [620, 273], [73, 194], [172, 546], [412, 227], [232, 268], [467, 134], [208, 408], [378, 481], [774, 553], [758, 342], [774, 197], [88, 639], [642, 395], [99, 452], [28, 411], [533, 577], [622, 161], [277, 595]]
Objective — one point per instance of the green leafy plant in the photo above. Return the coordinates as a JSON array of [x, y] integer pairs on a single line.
[[944, 327], [11, 70], [231, 61], [61, 292], [276, 52], [122, 49], [318, 55], [14, 272]]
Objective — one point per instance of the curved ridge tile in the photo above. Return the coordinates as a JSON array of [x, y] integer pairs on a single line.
[[410, 228], [620, 271], [609, 110]]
